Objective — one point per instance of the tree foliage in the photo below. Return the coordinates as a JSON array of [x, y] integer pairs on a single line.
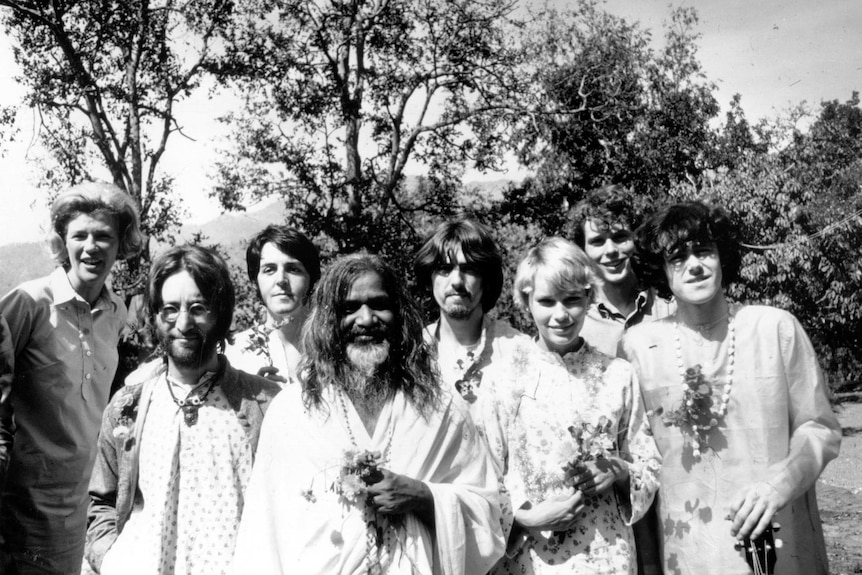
[[800, 213], [615, 109], [104, 78], [340, 97]]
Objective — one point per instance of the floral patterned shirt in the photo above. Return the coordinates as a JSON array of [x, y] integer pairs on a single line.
[[532, 444]]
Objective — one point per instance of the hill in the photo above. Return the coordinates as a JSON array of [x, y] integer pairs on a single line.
[[22, 262]]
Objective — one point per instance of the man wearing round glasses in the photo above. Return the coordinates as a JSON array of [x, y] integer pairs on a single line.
[[178, 441]]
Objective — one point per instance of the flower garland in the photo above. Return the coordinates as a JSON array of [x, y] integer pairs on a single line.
[[695, 416]]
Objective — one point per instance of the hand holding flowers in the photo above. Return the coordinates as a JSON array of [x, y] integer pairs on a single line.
[[590, 465]]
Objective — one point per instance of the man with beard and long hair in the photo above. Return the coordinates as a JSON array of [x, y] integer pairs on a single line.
[[378, 470], [461, 267], [177, 442]]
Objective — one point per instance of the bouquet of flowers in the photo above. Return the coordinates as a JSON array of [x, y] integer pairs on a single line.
[[589, 443], [361, 468], [695, 416], [358, 469]]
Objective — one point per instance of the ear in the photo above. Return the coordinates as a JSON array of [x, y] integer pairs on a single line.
[[57, 246]]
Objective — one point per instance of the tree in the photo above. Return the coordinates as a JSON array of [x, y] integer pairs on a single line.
[[615, 110], [104, 78], [800, 213], [341, 96]]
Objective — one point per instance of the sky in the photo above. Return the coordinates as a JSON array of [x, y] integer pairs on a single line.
[[775, 53]]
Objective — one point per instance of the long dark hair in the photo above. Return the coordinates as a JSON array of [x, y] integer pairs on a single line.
[[475, 242], [674, 226], [211, 275], [325, 362]]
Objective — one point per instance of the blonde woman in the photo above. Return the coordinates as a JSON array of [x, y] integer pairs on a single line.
[[577, 409]]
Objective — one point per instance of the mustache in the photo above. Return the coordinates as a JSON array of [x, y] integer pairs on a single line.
[[376, 333]]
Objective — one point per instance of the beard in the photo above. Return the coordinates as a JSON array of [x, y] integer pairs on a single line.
[[461, 307], [190, 352], [367, 358], [457, 310], [367, 377]]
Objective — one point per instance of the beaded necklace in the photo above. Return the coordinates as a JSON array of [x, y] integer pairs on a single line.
[[192, 402], [702, 428], [378, 531]]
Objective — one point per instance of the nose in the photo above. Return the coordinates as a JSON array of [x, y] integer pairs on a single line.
[[365, 317], [560, 314], [184, 321], [90, 243], [693, 264], [282, 278], [456, 277]]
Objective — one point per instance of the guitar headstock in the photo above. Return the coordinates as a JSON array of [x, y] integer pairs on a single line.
[[761, 552]]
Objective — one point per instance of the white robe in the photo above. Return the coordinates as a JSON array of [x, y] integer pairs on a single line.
[[293, 521]]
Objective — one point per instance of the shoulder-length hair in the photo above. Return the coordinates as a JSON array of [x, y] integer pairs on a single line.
[[563, 263], [671, 228], [95, 198], [325, 360], [475, 242], [288, 240], [211, 275]]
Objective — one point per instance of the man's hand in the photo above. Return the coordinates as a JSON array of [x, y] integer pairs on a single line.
[[752, 511], [397, 494], [600, 475], [557, 513], [271, 373]]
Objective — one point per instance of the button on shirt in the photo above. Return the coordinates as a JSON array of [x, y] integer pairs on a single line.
[[604, 326], [65, 360]]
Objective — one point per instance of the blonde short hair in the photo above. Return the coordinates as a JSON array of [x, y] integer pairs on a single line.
[[566, 265], [90, 198]]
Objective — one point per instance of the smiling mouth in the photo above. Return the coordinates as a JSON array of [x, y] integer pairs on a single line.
[[615, 264]]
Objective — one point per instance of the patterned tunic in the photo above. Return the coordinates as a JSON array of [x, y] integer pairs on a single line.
[[192, 480], [586, 389]]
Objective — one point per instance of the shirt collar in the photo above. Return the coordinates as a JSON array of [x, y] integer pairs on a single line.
[[64, 292], [642, 301]]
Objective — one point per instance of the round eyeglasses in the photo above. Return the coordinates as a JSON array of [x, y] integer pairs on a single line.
[[197, 311]]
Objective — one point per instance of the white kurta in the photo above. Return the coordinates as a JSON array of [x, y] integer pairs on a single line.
[[779, 428], [294, 522]]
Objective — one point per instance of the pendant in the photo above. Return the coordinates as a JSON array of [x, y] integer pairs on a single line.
[[190, 414]]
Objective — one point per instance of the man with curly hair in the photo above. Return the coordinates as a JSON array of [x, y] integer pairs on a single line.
[[602, 225], [378, 470], [737, 403]]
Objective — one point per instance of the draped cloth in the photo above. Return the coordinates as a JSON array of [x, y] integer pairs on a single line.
[[294, 521], [779, 428]]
